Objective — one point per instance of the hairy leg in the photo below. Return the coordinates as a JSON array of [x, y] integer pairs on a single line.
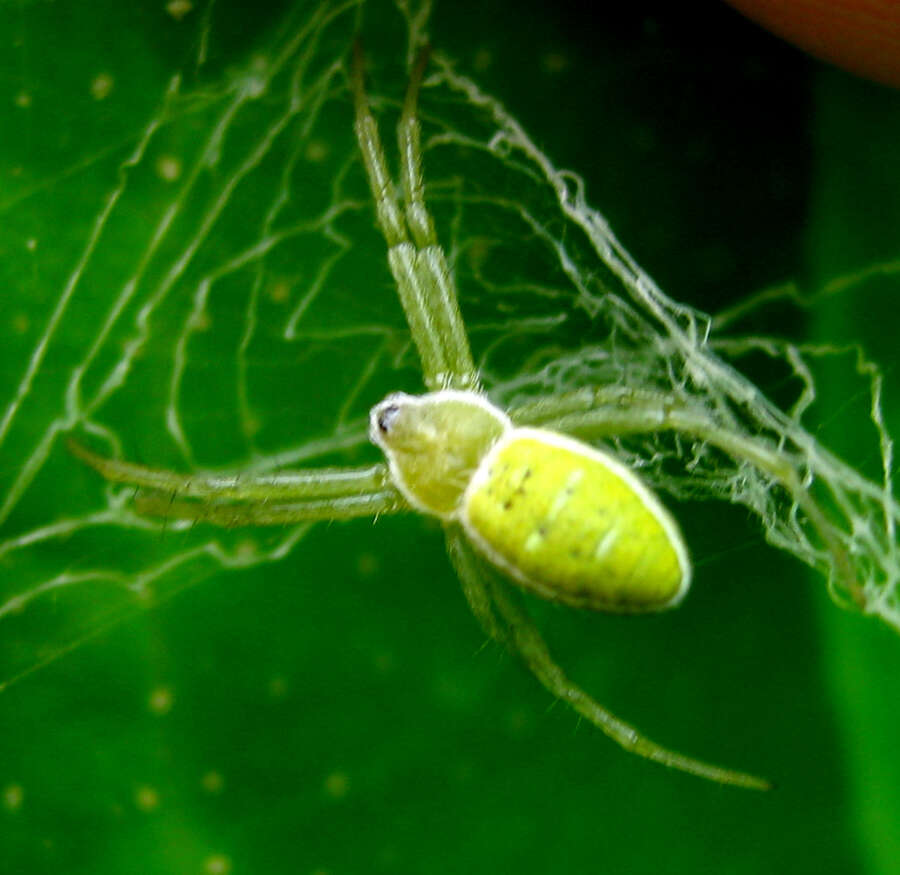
[[259, 513], [521, 634], [424, 282], [311, 484], [474, 586]]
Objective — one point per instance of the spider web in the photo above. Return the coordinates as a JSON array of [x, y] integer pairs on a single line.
[[224, 303]]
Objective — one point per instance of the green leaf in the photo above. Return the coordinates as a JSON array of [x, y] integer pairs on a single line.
[[853, 230], [192, 278]]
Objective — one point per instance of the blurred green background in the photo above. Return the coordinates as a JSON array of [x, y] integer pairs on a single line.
[[337, 712]]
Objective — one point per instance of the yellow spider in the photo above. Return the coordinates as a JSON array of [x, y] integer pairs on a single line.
[[518, 503]]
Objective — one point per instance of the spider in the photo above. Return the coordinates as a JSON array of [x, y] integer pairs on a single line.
[[521, 505]]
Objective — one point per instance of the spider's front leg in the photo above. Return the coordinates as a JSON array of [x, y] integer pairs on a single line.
[[425, 284], [253, 499]]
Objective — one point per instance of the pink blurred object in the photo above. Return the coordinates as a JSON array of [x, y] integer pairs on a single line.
[[862, 36]]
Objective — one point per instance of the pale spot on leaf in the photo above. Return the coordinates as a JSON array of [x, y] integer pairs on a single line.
[[13, 796], [336, 785], [316, 151], [101, 86], [161, 700], [179, 8], [217, 864], [213, 782], [146, 798], [168, 167]]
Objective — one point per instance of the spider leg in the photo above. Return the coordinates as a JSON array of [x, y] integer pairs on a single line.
[[432, 268], [605, 411], [230, 515], [253, 499], [523, 636], [312, 484], [424, 282], [467, 567]]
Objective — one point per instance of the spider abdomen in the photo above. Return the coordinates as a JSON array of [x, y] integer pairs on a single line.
[[574, 525]]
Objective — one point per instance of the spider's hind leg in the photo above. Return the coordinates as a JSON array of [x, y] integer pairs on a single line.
[[515, 627], [467, 567]]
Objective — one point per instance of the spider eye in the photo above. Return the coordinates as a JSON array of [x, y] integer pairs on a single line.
[[386, 417]]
